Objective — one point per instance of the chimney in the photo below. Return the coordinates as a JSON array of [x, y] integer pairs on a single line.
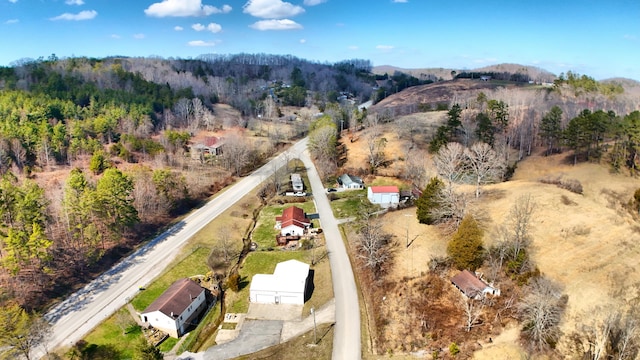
[[172, 314]]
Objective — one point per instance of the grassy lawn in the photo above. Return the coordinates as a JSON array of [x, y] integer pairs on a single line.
[[109, 335], [264, 233], [348, 203]]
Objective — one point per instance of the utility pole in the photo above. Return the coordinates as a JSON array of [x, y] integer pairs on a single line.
[[315, 338]]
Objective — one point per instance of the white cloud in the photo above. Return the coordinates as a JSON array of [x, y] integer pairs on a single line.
[[284, 24], [302, 41], [115, 36], [353, 47], [213, 27], [271, 9], [401, 1], [178, 28], [74, 2], [313, 2], [385, 47], [82, 15], [139, 36], [184, 8], [201, 43], [12, 21], [13, 1]]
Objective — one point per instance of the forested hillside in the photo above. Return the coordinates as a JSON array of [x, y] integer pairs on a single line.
[[95, 153]]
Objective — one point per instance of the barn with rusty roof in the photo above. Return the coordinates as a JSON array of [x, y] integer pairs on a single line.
[[472, 286]]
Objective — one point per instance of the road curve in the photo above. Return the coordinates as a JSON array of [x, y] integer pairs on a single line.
[[346, 339], [82, 311]]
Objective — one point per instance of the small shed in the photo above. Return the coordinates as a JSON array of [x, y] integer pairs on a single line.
[[472, 286], [287, 284], [174, 310], [385, 196]]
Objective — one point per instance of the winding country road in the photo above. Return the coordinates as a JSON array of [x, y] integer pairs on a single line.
[[346, 340], [82, 311]]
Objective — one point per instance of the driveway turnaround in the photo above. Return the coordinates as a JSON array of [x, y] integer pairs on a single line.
[[255, 335]]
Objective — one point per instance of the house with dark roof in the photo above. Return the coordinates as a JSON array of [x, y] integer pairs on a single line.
[[293, 222], [347, 181], [385, 196], [472, 286], [174, 311]]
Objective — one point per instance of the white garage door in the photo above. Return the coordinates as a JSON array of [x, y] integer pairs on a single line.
[[265, 299], [290, 299]]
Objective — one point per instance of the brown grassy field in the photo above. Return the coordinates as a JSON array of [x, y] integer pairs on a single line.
[[587, 243]]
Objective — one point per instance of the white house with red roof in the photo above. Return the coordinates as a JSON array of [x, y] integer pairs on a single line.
[[385, 196], [293, 222], [175, 310]]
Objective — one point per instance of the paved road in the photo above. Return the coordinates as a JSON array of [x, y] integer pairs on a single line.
[[82, 311], [346, 341]]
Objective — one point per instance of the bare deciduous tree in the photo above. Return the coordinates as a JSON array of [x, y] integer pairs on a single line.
[[450, 163], [519, 221], [541, 311], [472, 310], [236, 153], [375, 147], [373, 244], [607, 333], [486, 165]]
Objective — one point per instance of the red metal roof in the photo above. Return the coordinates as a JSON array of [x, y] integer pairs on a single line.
[[293, 215], [384, 189], [211, 141]]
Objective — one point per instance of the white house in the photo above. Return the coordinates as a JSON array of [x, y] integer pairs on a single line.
[[175, 310], [385, 196], [347, 181], [472, 286], [286, 285], [293, 222]]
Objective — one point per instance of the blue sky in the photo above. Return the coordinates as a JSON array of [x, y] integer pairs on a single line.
[[599, 38]]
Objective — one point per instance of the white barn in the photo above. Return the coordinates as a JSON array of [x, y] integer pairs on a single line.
[[287, 284], [385, 196], [177, 307]]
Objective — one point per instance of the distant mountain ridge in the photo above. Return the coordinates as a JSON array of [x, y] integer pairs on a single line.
[[535, 73]]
